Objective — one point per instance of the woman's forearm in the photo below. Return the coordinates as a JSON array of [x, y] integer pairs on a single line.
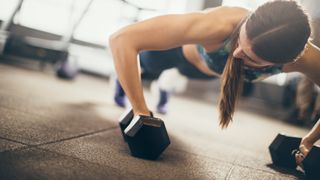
[[314, 134], [127, 68]]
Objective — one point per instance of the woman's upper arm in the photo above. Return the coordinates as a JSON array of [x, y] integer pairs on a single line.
[[169, 31], [308, 63]]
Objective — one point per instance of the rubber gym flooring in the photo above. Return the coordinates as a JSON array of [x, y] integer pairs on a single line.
[[55, 129]]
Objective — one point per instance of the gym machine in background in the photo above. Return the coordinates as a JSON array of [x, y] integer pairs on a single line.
[[5, 25], [55, 52], [139, 9]]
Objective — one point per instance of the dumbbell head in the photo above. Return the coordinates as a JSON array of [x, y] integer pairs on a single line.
[[147, 137], [125, 120], [281, 150], [311, 163]]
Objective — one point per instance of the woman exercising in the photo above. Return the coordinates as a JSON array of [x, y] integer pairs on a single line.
[[270, 40]]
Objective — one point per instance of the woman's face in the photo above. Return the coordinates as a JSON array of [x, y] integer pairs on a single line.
[[244, 52]]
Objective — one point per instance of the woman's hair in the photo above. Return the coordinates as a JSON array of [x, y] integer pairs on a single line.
[[231, 82], [278, 32]]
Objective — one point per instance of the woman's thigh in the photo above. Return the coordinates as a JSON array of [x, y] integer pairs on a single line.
[[153, 63], [192, 72]]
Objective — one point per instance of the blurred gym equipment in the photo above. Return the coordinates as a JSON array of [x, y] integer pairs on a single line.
[[55, 52], [4, 33]]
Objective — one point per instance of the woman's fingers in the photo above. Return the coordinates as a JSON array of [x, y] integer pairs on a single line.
[[299, 158], [300, 154]]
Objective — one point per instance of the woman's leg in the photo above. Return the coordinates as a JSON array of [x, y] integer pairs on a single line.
[[152, 64], [175, 80], [120, 96], [162, 107], [170, 82]]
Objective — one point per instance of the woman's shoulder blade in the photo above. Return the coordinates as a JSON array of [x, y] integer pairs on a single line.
[[220, 22]]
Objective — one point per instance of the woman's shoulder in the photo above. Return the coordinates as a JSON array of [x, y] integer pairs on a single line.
[[227, 14], [222, 20]]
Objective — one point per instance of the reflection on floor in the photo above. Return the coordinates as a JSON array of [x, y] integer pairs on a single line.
[[54, 129]]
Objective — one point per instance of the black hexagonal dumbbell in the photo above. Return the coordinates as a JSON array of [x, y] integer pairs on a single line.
[[283, 149], [125, 120], [146, 136], [311, 163]]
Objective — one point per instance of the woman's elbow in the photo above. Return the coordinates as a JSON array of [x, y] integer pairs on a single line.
[[120, 41], [115, 40]]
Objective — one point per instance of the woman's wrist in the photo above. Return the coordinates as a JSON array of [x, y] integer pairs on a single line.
[[308, 140], [142, 111]]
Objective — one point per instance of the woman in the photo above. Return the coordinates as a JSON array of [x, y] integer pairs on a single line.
[[268, 41]]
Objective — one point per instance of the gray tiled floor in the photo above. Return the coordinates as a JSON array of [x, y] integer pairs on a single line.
[[54, 129], [6, 145], [109, 149], [239, 173], [39, 164]]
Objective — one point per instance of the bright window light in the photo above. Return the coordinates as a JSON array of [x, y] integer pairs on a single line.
[[7, 8], [102, 18], [249, 4]]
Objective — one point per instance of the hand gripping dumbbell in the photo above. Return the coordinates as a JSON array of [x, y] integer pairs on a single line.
[[146, 136], [283, 149]]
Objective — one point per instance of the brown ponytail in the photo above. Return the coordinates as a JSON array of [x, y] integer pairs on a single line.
[[231, 82]]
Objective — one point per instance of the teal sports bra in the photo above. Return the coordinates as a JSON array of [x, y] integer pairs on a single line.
[[216, 61]]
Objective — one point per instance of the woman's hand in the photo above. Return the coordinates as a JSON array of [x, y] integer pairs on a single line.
[[307, 143], [304, 149]]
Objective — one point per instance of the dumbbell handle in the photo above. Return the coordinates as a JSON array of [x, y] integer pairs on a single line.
[[294, 152], [138, 121]]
